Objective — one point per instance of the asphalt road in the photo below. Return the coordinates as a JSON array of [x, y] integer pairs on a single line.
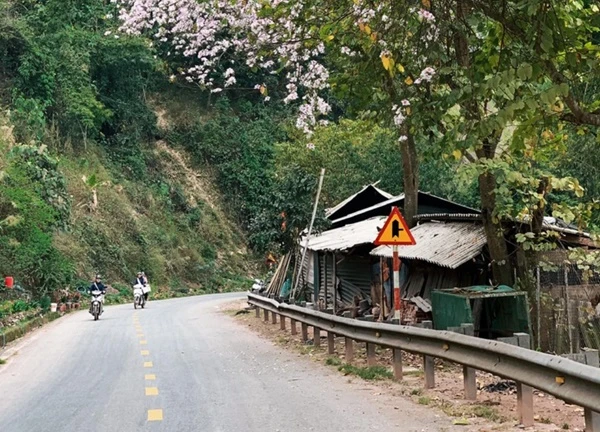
[[181, 365]]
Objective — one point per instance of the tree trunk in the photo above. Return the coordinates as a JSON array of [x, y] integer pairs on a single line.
[[537, 219], [410, 163], [501, 266]]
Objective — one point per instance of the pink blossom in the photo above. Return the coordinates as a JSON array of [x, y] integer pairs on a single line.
[[425, 15]]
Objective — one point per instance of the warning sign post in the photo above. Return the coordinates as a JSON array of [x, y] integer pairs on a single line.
[[395, 232]]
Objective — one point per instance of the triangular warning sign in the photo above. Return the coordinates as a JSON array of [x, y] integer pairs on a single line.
[[395, 231]]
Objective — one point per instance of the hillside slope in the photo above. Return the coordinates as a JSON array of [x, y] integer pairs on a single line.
[[150, 211]]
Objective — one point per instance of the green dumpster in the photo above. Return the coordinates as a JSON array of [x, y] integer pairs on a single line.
[[494, 311]]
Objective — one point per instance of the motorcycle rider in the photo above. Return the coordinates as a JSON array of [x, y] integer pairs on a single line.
[[97, 285], [143, 282]]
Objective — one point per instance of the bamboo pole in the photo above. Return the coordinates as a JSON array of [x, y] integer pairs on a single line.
[[312, 221], [569, 322]]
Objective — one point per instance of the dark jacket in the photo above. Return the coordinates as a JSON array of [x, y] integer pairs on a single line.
[[140, 280], [97, 286]]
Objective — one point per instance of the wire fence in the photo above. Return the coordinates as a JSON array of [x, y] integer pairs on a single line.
[[566, 309]]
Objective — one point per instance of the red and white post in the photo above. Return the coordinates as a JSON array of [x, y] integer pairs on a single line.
[[396, 268]]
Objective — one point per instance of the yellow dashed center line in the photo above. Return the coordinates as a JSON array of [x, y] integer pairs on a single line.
[[151, 391], [155, 415]]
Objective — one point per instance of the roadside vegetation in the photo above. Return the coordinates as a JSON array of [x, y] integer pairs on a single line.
[[114, 158]]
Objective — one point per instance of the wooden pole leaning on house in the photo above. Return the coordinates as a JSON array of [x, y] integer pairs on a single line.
[[310, 227], [569, 319], [538, 300], [334, 277]]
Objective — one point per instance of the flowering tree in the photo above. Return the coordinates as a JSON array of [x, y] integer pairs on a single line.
[[490, 82]]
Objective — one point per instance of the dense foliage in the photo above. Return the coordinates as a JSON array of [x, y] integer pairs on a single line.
[[489, 106], [497, 85]]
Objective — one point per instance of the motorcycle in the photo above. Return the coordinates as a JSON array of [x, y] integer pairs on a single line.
[[96, 307], [138, 296], [258, 286]]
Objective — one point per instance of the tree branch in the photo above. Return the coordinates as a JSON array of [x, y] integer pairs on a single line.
[[578, 114]]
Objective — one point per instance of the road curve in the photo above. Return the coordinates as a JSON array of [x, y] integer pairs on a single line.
[[181, 365]]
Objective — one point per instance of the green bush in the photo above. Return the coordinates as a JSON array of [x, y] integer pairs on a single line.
[[45, 302], [20, 306]]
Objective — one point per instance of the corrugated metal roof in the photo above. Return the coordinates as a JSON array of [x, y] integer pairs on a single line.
[[348, 236], [383, 193], [390, 201], [448, 217], [445, 244], [395, 201]]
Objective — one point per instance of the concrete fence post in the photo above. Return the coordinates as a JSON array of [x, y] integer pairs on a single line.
[[266, 312], [282, 322], [257, 311], [273, 317]]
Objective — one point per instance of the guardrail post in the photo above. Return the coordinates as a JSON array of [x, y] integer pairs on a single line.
[[330, 343], [469, 374], [371, 360], [592, 421], [273, 317], [304, 327], [294, 326], [429, 369], [316, 336], [282, 322], [524, 392], [470, 380], [397, 364], [349, 349], [428, 362], [525, 404], [266, 315], [257, 310]]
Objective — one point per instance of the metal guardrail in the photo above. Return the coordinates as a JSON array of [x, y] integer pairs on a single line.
[[563, 378]]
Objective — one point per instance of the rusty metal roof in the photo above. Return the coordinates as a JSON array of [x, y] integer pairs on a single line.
[[448, 244], [348, 236]]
